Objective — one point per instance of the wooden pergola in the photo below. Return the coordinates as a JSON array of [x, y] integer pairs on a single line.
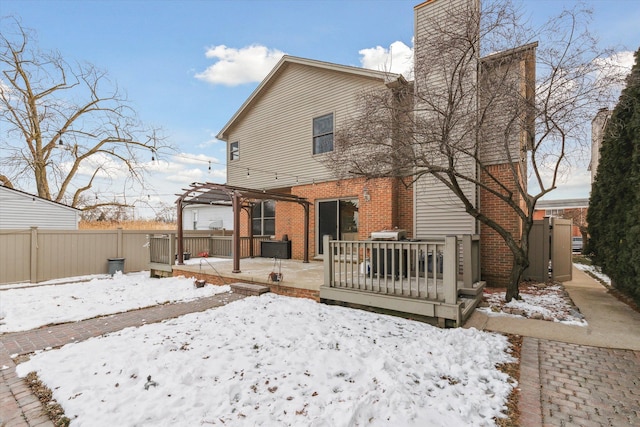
[[209, 193]]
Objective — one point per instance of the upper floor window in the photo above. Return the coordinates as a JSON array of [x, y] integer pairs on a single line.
[[323, 134], [554, 212], [234, 151]]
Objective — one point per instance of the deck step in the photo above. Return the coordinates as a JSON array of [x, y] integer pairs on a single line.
[[248, 289], [473, 291]]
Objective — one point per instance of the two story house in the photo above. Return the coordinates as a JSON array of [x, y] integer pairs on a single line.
[[280, 138]]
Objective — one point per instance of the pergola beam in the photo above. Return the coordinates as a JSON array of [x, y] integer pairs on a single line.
[[216, 194]]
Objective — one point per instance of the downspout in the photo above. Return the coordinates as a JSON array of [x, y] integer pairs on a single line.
[[306, 232]]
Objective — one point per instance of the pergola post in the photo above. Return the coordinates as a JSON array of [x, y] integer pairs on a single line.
[[180, 235], [235, 202]]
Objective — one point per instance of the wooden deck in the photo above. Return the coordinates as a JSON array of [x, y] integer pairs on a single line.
[[437, 278]]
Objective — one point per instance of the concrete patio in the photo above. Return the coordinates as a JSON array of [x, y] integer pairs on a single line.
[[294, 273]]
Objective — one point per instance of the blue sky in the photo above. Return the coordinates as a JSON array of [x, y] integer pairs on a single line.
[[187, 66]]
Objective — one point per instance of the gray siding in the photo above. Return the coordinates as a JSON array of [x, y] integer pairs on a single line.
[[20, 210], [275, 136]]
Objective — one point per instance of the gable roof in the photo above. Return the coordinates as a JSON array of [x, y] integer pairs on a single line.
[[26, 195], [283, 64]]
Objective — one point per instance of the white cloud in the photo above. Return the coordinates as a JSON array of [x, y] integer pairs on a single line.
[[398, 58], [238, 66], [623, 60]]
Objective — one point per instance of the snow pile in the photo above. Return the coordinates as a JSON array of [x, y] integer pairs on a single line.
[[594, 271], [274, 360], [539, 301], [22, 309]]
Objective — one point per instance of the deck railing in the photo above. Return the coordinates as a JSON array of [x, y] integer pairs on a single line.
[[432, 269], [163, 247]]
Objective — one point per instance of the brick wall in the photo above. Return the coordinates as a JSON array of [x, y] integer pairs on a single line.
[[389, 205], [496, 258]]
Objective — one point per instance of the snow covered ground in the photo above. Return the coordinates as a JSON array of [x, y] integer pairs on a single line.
[[24, 308], [539, 301], [595, 271], [268, 360]]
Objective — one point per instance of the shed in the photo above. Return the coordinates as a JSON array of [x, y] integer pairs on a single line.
[[20, 210]]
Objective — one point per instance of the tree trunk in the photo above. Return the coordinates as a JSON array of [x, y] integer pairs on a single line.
[[513, 290], [520, 264]]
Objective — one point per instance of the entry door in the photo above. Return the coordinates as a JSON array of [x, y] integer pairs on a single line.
[[338, 219]]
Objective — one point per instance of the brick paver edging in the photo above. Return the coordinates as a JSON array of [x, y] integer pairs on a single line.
[[530, 405]]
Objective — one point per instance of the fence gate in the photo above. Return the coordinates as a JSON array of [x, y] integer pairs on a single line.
[[561, 256], [550, 250]]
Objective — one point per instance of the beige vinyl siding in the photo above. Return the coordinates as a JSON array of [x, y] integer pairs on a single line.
[[507, 82], [276, 135], [21, 210], [438, 211]]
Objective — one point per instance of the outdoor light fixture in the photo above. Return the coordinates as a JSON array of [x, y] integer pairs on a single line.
[[365, 194]]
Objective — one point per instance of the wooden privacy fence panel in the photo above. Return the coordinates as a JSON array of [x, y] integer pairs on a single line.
[[38, 255], [15, 253], [65, 254]]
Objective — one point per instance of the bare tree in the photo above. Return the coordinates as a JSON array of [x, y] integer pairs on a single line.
[[493, 103], [166, 213], [65, 125]]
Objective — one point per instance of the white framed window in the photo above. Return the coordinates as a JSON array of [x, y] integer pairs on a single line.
[[323, 134], [234, 151], [264, 218], [554, 212]]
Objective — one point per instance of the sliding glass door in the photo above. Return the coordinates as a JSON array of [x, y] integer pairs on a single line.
[[338, 219]]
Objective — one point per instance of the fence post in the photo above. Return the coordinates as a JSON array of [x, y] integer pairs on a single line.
[[475, 247], [449, 275], [33, 265], [120, 243], [328, 261], [172, 251]]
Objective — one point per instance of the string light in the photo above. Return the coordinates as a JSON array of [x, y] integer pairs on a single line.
[[210, 163]]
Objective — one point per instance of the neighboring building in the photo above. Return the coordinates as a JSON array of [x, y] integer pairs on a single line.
[[573, 209], [278, 138], [203, 217], [598, 125], [20, 210]]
